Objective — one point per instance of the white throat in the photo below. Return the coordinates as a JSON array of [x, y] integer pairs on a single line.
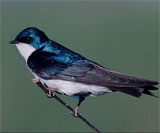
[[25, 50]]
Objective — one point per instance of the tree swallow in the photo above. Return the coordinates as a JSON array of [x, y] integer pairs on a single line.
[[69, 73]]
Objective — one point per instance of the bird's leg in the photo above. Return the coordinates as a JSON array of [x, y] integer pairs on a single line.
[[49, 94], [35, 80], [81, 99], [76, 111]]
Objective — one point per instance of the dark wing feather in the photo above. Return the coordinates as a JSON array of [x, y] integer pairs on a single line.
[[83, 71], [41, 63], [98, 75]]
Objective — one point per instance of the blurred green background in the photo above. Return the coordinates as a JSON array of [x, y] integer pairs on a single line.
[[121, 35]]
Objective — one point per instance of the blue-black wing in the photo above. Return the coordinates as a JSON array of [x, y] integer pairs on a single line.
[[48, 66]]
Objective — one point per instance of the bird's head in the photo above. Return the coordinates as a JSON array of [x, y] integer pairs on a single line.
[[31, 36], [29, 40]]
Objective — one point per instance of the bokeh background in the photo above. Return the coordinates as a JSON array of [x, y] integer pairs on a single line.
[[121, 35]]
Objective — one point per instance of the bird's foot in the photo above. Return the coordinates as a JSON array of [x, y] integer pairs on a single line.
[[50, 94], [75, 113], [35, 80]]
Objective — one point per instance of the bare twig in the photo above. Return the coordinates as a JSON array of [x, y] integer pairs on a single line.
[[53, 95]]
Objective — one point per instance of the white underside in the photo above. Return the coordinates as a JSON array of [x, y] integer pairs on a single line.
[[72, 88], [64, 87]]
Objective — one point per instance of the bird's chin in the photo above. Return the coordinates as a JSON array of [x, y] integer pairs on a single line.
[[25, 50]]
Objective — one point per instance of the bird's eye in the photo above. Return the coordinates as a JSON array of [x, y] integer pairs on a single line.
[[25, 39], [28, 39]]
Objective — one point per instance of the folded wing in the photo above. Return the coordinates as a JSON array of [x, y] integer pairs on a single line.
[[46, 66]]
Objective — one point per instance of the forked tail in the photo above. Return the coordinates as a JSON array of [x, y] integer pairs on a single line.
[[137, 92]]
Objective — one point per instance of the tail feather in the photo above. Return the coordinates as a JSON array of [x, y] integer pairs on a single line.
[[150, 88], [137, 92], [148, 92]]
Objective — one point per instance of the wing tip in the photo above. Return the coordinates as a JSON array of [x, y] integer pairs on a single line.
[[153, 82]]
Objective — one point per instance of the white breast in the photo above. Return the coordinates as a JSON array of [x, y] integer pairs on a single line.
[[72, 88], [25, 50]]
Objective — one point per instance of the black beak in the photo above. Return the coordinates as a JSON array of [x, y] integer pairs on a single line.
[[14, 42]]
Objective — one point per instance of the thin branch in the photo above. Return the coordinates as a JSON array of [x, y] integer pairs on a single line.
[[53, 95]]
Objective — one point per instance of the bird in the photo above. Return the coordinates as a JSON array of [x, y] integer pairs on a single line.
[[69, 73]]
